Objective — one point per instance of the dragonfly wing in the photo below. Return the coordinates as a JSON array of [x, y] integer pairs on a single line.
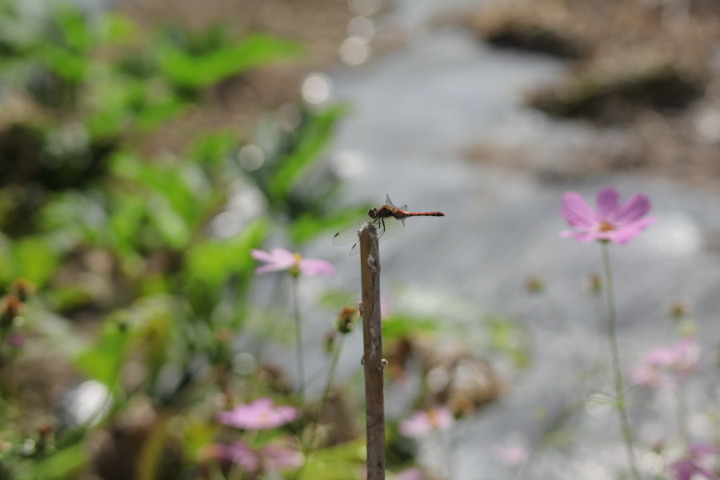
[[392, 226], [388, 227], [347, 235]]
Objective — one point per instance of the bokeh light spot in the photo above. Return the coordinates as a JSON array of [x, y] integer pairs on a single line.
[[316, 88]]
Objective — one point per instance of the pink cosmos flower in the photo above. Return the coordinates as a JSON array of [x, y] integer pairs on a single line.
[[665, 367], [610, 221], [280, 259], [275, 458], [261, 414], [423, 422], [699, 463], [237, 453], [268, 458]]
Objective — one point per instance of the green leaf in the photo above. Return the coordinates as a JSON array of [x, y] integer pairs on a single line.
[[172, 228], [33, 259], [75, 29], [63, 464], [200, 70], [314, 136], [117, 28], [213, 149], [125, 221], [67, 65], [67, 298], [197, 435], [343, 462], [398, 325], [154, 114], [7, 263], [213, 261], [102, 361]]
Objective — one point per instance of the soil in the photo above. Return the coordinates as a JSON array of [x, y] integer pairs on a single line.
[[648, 70]]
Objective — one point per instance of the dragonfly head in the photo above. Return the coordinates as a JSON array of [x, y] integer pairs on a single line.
[[373, 213]]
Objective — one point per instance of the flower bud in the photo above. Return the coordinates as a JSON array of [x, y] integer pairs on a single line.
[[9, 309], [22, 289], [678, 310], [534, 285], [594, 284], [346, 319]]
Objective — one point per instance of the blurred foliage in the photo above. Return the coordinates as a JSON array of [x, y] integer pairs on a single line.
[[77, 88], [509, 338], [142, 263], [192, 62], [154, 252]]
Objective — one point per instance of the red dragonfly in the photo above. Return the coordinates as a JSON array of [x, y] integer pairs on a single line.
[[378, 216]]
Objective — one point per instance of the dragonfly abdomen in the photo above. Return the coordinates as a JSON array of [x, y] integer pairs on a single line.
[[422, 214]]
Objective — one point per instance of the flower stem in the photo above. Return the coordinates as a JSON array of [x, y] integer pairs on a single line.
[[331, 377], [625, 430], [299, 341]]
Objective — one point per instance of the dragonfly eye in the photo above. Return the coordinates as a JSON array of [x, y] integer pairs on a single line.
[[372, 213]]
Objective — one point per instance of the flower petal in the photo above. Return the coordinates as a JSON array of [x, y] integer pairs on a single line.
[[277, 457], [277, 259], [682, 469], [627, 232], [699, 449], [311, 266], [576, 212], [261, 414], [261, 255], [282, 255], [607, 203], [238, 453], [270, 267], [632, 210]]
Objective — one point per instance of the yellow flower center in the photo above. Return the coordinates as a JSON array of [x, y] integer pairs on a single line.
[[606, 226], [295, 269]]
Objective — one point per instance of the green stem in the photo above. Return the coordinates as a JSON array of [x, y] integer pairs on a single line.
[[299, 340], [331, 376], [625, 430]]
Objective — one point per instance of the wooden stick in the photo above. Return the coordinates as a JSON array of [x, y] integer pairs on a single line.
[[372, 357]]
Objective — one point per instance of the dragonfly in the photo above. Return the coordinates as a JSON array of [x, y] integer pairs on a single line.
[[384, 218]]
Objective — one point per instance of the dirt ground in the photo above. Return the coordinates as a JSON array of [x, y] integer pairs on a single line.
[[647, 69]]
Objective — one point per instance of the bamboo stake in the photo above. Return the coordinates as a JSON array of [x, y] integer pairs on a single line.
[[372, 352]]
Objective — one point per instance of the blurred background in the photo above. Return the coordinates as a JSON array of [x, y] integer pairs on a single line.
[[147, 146]]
